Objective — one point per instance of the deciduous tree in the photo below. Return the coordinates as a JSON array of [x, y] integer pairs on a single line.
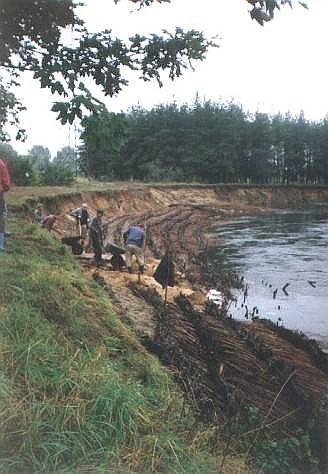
[[31, 40], [67, 156], [103, 136]]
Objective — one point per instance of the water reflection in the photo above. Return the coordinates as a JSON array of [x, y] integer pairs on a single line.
[[276, 249]]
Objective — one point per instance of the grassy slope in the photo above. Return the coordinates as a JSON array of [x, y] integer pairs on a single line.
[[78, 389], [19, 195]]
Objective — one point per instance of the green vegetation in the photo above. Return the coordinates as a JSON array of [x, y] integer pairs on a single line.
[[103, 137], [205, 142], [36, 168], [270, 452], [289, 455], [264, 10], [32, 39], [56, 173], [76, 388], [79, 392]]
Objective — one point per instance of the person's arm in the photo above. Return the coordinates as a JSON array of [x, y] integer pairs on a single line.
[[4, 176]]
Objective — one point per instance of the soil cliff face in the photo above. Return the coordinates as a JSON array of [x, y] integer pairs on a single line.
[[131, 197], [225, 367]]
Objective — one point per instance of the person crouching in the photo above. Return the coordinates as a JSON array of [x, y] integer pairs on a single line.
[[134, 239], [48, 222]]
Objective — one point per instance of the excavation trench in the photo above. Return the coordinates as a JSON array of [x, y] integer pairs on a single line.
[[225, 367]]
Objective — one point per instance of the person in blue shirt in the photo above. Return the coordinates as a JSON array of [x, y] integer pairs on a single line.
[[134, 240]]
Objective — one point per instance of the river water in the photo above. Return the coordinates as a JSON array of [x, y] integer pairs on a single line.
[[271, 251]]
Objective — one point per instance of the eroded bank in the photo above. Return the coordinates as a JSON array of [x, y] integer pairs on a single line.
[[225, 367]]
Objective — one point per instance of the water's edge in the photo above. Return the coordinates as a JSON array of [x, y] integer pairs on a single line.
[[283, 257]]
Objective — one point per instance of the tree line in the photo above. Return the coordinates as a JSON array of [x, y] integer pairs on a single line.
[[31, 38], [207, 142], [38, 167]]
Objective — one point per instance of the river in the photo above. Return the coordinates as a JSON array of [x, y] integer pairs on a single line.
[[282, 249]]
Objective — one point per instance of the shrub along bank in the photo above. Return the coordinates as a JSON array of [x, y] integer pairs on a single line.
[[76, 388]]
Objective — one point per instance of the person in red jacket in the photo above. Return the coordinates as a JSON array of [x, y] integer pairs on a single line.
[[4, 187]]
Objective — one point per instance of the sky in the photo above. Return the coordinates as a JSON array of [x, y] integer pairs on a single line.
[[280, 67]]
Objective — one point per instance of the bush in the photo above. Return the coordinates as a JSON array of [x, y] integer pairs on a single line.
[[21, 170], [55, 174], [155, 171], [290, 455]]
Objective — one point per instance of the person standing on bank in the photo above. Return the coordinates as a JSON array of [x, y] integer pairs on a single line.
[[4, 187], [82, 217], [96, 235], [134, 239]]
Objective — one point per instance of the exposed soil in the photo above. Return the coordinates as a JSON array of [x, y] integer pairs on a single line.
[[224, 366]]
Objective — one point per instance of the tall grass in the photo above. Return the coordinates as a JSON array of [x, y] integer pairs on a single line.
[[77, 391]]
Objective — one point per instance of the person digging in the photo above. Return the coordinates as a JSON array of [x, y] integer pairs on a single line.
[[133, 240], [82, 217]]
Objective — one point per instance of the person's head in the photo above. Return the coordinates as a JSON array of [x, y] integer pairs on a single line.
[[100, 212], [84, 206], [39, 206]]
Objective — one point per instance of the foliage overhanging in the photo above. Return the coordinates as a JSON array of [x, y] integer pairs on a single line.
[[31, 40]]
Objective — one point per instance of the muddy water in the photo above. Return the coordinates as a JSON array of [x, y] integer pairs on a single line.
[[273, 250]]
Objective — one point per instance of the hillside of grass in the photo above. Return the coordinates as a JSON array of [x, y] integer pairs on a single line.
[[78, 393]]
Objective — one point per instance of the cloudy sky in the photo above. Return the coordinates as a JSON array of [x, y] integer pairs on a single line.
[[279, 67]]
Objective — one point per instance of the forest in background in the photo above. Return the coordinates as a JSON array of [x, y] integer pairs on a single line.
[[204, 142]]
